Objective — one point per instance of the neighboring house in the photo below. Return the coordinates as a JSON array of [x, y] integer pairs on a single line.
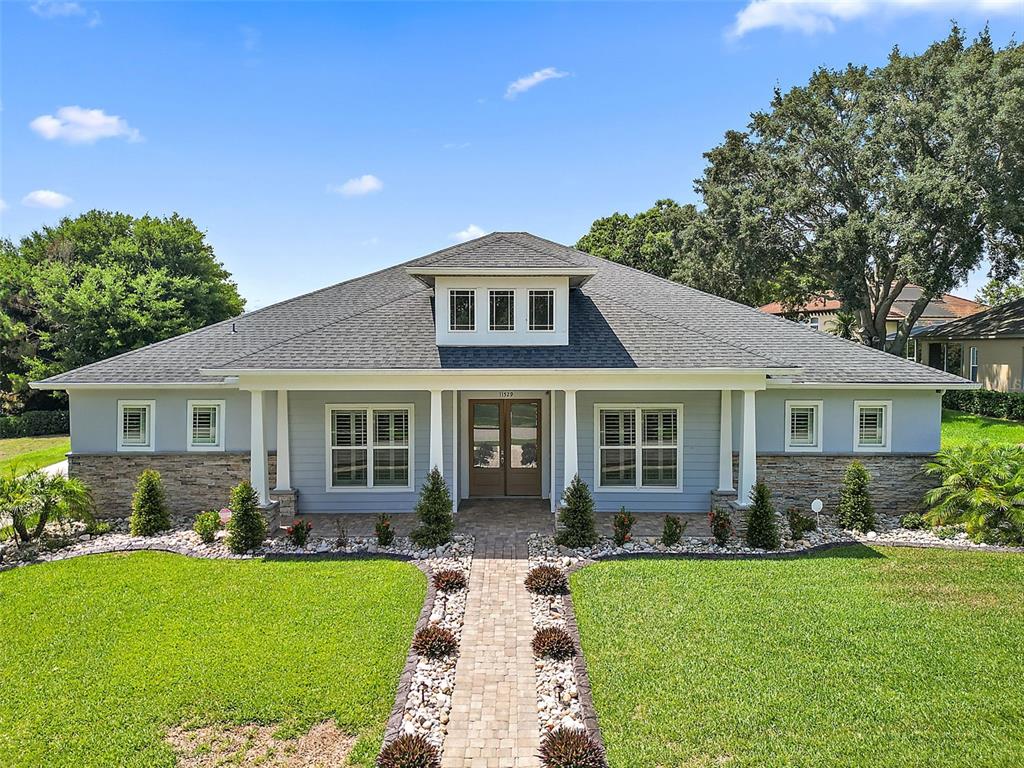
[[987, 347], [821, 313], [511, 363]]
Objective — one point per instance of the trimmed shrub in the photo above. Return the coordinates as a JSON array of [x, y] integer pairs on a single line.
[[298, 532], [855, 511], [799, 523], [434, 510], [553, 643], [409, 751], [97, 527], [622, 525], [570, 748], [449, 580], [246, 529], [913, 521], [721, 525], [435, 642], [206, 525], [577, 516], [986, 402], [546, 580], [34, 423], [149, 507], [672, 533], [762, 531], [382, 528]]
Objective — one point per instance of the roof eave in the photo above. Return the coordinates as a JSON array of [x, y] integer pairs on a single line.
[[427, 274]]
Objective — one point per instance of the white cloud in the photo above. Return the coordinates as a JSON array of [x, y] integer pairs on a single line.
[[469, 233], [523, 84], [52, 9], [361, 185], [813, 16], [83, 126], [45, 198], [456, 145]]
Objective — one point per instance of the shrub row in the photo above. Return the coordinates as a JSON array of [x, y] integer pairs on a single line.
[[32, 423], [986, 402]]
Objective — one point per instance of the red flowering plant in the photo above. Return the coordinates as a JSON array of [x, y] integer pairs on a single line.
[[721, 525], [298, 532], [622, 525]]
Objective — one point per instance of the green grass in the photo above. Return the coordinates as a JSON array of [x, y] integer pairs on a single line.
[[23, 454], [854, 657], [101, 653], [959, 428]]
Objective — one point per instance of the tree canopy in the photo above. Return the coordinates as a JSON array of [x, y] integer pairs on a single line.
[[996, 292], [100, 284], [862, 181]]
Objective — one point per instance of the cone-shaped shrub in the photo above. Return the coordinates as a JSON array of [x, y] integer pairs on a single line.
[[246, 529], [385, 533], [855, 511], [672, 533], [434, 510], [577, 516], [149, 508], [553, 643], [762, 530], [570, 748], [409, 751]]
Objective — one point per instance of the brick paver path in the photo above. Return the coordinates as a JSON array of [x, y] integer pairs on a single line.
[[494, 706]]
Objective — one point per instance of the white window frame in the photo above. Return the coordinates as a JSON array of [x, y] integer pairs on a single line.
[[370, 408], [639, 408], [972, 365], [529, 310], [886, 405], [452, 292], [150, 406], [509, 293], [819, 409], [189, 437]]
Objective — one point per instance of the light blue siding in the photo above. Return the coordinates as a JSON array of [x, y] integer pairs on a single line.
[[916, 418], [699, 467]]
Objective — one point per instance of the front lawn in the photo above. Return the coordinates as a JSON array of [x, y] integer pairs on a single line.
[[23, 454], [854, 657], [959, 428], [102, 654]]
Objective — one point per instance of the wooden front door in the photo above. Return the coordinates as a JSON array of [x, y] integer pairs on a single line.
[[504, 445]]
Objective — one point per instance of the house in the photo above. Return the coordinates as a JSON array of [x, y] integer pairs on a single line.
[[511, 363], [987, 347], [821, 313]]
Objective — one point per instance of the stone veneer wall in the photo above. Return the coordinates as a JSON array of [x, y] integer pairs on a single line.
[[796, 479], [193, 482]]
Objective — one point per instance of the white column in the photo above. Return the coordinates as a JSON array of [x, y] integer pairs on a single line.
[[553, 491], [257, 448], [284, 465], [725, 444], [571, 459], [455, 451], [748, 450], [436, 438]]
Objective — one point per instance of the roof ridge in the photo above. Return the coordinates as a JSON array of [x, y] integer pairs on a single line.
[[524, 238]]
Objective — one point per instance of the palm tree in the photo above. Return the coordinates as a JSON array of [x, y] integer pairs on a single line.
[[14, 500], [844, 325], [46, 496]]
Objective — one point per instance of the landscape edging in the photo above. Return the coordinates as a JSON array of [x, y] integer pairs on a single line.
[[394, 725]]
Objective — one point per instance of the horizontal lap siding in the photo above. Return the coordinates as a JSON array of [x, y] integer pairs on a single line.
[[700, 451], [309, 453]]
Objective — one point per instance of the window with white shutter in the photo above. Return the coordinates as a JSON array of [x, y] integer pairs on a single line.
[[803, 425], [206, 425], [872, 425], [135, 425]]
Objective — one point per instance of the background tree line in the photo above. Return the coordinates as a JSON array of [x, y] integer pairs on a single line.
[[859, 182], [97, 285]]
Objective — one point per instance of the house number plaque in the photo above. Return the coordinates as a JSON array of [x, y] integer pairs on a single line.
[[506, 394]]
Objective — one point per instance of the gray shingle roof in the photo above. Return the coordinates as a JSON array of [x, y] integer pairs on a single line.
[[1004, 321], [621, 318]]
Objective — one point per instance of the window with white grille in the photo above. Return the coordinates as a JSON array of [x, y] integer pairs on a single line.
[[872, 426], [638, 446], [206, 425], [503, 310], [803, 425], [135, 425], [369, 447]]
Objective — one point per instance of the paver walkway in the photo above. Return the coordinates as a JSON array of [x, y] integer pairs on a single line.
[[494, 706]]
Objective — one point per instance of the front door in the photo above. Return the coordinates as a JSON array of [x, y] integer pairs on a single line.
[[504, 444]]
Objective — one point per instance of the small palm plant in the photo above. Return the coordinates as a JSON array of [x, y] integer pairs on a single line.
[[982, 488], [46, 497]]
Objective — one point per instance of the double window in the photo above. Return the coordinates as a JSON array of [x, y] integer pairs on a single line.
[[872, 425], [206, 425], [638, 446], [542, 310], [462, 310], [135, 425], [503, 310], [369, 446], [803, 425]]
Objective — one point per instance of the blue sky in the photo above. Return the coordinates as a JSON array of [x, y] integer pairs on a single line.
[[318, 141]]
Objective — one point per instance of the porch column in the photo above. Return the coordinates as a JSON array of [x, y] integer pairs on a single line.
[[748, 450], [455, 451], [284, 467], [553, 491], [257, 448], [436, 439], [725, 444], [570, 448]]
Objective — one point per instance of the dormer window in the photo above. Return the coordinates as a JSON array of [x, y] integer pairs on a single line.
[[462, 310], [542, 310], [503, 310]]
